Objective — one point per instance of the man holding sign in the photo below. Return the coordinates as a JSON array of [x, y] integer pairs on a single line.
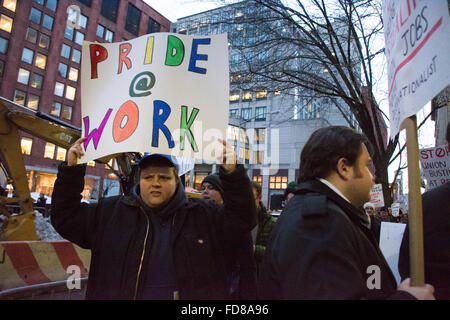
[[156, 243]]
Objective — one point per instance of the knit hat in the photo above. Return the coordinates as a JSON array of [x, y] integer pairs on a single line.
[[214, 179]]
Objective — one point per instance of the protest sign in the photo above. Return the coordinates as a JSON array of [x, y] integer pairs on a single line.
[[417, 51], [164, 93], [376, 196], [391, 235], [435, 163], [395, 207]]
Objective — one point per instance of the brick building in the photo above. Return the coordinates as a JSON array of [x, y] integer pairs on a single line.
[[40, 62]]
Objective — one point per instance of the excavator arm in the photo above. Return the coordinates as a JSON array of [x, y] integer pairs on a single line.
[[13, 119]]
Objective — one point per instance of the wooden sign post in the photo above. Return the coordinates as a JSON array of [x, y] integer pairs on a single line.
[[417, 271]]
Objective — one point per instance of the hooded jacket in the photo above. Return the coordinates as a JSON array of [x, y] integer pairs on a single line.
[[118, 230], [321, 248]]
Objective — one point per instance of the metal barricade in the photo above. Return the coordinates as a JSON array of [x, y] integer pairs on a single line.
[[57, 290]]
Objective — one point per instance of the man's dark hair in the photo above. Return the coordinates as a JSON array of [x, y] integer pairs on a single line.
[[325, 147], [448, 133], [257, 187]]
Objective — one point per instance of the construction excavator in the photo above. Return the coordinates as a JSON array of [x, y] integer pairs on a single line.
[[15, 118]]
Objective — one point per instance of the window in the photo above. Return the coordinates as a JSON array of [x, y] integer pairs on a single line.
[[153, 26], [109, 9], [234, 113], [10, 4], [73, 74], [67, 112], [247, 96], [44, 41], [36, 81], [260, 135], [86, 2], [234, 96], [33, 101], [52, 4], [70, 93], [3, 45], [41, 60], [62, 69], [68, 34], [56, 109], [72, 16], [61, 154], [35, 15], [76, 55], [25, 145], [59, 89], [23, 76], [47, 22], [247, 114], [260, 114], [27, 55], [31, 35], [243, 136], [6, 23], [261, 94], [49, 151], [79, 37], [19, 97], [65, 51], [278, 182], [109, 35], [257, 179], [133, 20], [41, 2], [100, 31], [104, 33], [91, 163], [258, 157]]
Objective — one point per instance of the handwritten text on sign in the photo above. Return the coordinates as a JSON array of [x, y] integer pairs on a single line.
[[376, 196], [435, 163], [165, 93], [417, 38]]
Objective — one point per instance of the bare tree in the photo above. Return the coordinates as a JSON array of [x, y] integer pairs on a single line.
[[327, 48]]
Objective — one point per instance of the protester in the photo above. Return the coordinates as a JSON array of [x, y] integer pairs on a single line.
[[266, 223], [436, 239], [289, 192], [41, 201], [155, 243], [241, 266], [322, 247], [375, 222]]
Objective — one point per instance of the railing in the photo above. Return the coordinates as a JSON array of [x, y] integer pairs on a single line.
[[57, 290]]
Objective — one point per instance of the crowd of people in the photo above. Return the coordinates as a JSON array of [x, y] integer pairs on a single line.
[[157, 243]]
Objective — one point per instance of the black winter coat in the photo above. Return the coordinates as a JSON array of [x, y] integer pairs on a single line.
[[322, 249], [436, 241], [118, 232]]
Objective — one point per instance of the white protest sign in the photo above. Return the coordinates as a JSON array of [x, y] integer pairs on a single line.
[[435, 163], [376, 196], [395, 209], [391, 235], [417, 39], [164, 93]]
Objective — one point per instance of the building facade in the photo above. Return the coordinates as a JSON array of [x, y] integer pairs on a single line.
[[40, 65], [268, 125]]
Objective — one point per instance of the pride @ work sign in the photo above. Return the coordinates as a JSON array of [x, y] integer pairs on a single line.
[[417, 38], [163, 92]]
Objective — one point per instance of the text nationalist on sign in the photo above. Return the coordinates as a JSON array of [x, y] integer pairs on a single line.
[[417, 51], [165, 93]]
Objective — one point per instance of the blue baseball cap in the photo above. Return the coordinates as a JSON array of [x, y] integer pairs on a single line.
[[148, 158]]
